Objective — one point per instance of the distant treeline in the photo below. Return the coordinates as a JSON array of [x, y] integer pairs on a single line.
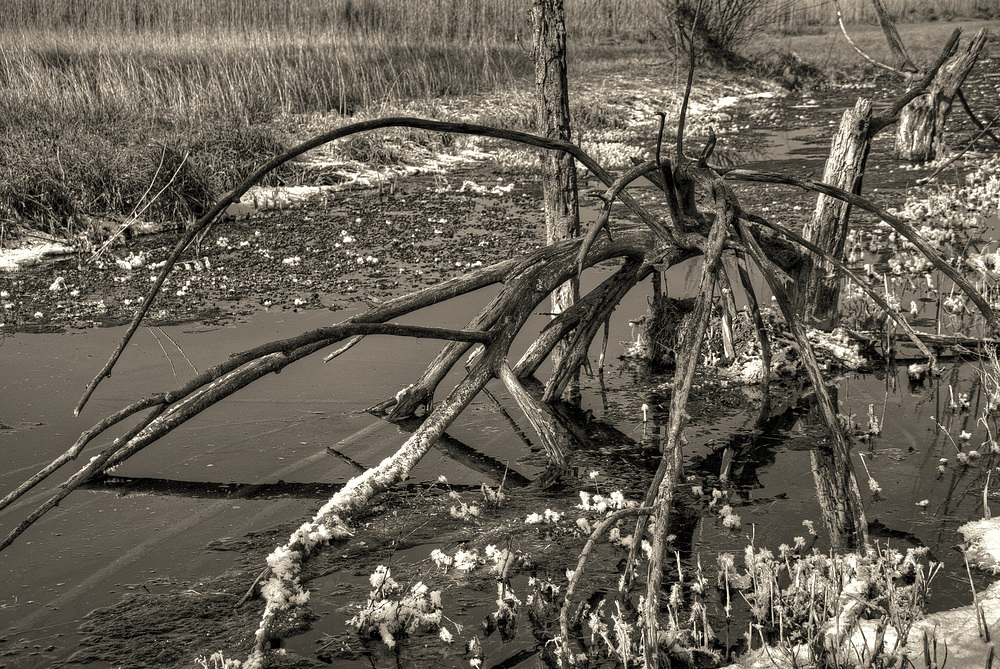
[[499, 20]]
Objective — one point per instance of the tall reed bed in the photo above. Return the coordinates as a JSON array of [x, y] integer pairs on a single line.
[[464, 20], [89, 88], [85, 116], [491, 20], [251, 73]]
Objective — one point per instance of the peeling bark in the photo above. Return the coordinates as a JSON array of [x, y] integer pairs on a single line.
[[920, 133], [817, 290]]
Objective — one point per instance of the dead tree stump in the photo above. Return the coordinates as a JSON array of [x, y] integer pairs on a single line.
[[920, 133], [817, 292]]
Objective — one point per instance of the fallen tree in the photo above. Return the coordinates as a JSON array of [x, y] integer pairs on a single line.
[[656, 243]]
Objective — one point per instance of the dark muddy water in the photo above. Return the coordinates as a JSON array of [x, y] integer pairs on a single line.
[[274, 451]]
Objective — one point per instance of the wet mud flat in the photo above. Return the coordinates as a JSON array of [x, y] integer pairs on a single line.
[[153, 560]]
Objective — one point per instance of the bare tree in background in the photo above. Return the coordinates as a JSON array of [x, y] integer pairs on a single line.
[[718, 27]]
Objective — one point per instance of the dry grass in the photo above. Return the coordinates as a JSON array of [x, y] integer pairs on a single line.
[[94, 94], [450, 20], [796, 16], [85, 118], [829, 51]]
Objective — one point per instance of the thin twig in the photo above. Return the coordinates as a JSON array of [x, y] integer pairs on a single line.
[[843, 29], [351, 343], [173, 370], [179, 350], [253, 586], [134, 216], [682, 117]]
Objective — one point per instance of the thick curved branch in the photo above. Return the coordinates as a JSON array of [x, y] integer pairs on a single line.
[[339, 133], [858, 281], [896, 223], [608, 198]]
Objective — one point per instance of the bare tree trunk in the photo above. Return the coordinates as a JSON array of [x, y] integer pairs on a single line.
[[838, 494], [562, 217], [817, 291], [920, 133]]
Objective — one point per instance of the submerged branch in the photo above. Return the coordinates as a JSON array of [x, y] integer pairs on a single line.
[[581, 563], [661, 491], [539, 415], [858, 281], [848, 517]]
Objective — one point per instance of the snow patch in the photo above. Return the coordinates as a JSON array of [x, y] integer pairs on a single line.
[[983, 537]]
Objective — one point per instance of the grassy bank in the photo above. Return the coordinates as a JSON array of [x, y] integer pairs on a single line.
[[829, 51], [109, 107], [88, 124]]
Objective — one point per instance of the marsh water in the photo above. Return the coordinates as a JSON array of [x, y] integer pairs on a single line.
[[271, 454]]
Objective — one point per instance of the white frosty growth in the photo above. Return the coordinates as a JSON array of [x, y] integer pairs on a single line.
[[983, 537]]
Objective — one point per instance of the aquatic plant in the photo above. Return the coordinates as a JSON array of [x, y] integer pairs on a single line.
[[393, 611]]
